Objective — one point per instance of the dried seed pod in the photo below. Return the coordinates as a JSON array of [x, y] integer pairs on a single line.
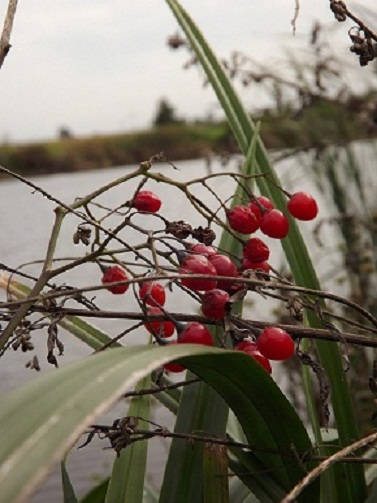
[[204, 235], [179, 229]]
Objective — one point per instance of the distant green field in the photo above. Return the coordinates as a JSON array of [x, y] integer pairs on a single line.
[[321, 124]]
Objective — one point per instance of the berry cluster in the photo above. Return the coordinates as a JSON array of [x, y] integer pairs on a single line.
[[214, 278]]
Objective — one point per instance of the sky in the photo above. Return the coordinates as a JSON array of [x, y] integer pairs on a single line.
[[101, 66]]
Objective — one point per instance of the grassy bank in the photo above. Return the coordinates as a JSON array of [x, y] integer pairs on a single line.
[[319, 125]]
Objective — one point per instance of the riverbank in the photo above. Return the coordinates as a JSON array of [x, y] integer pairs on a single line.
[[324, 123]]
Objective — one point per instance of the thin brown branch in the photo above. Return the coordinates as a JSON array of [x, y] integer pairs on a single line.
[[325, 465], [7, 30]]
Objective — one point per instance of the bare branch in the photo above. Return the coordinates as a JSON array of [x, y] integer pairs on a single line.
[[7, 30]]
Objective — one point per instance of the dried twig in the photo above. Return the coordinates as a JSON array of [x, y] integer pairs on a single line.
[[7, 30]]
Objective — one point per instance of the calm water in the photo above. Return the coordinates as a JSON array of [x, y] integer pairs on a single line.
[[26, 221]]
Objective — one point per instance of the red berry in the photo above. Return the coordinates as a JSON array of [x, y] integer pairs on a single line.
[[161, 328], [224, 267], [213, 303], [260, 205], [113, 274], [250, 349], [172, 366], [303, 206], [248, 264], [205, 250], [198, 264], [241, 219], [195, 333], [256, 250], [147, 201], [274, 224], [153, 293], [275, 343]]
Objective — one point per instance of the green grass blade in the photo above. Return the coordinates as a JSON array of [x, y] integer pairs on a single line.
[[294, 246], [54, 409], [126, 482], [68, 491], [216, 476]]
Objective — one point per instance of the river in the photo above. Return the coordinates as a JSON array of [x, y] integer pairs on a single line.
[[26, 222]]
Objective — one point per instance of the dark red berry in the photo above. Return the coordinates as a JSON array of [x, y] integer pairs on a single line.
[[256, 250], [302, 206], [248, 264], [250, 349], [195, 333], [275, 343], [147, 201], [205, 250], [153, 293], [198, 264], [162, 328], [274, 224], [224, 267], [241, 219], [113, 274], [213, 303], [260, 205], [173, 366]]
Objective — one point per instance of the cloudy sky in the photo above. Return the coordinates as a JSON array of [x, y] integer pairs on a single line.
[[98, 66]]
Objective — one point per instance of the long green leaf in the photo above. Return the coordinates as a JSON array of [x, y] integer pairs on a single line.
[[126, 482], [68, 491], [294, 245], [215, 467], [54, 409]]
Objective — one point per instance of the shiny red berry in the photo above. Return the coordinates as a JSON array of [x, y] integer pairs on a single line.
[[163, 328], [248, 264], [274, 224], [213, 303], [260, 205], [195, 333], [202, 249], [173, 366], [224, 267], [147, 201], [256, 250], [241, 219], [302, 206], [153, 293], [250, 348], [198, 264], [113, 274], [275, 343]]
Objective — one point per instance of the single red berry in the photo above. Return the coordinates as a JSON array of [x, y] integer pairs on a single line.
[[224, 267], [302, 206], [163, 328], [274, 224], [250, 349], [241, 219], [195, 333], [173, 366], [256, 250], [202, 249], [153, 293], [113, 274], [248, 264], [147, 201], [246, 344], [275, 343], [259, 206], [198, 264], [213, 303]]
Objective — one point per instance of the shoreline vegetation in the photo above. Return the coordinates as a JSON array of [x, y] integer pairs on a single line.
[[324, 123]]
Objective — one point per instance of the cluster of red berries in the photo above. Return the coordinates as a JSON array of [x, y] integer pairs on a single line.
[[261, 214], [217, 276]]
